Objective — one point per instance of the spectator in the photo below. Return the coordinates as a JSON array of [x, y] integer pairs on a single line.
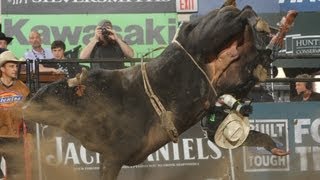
[[226, 124], [106, 44], [13, 93], [304, 90], [70, 69], [4, 42], [37, 52]]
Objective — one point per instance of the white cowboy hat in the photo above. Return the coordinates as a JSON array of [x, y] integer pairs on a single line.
[[233, 131], [8, 56]]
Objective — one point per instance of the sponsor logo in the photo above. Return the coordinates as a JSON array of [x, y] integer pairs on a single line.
[[297, 1], [188, 152], [9, 99], [86, 6], [257, 159], [145, 34], [298, 44], [15, 2]]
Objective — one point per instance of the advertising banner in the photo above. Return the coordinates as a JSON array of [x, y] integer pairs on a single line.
[[87, 6], [269, 6], [294, 127], [193, 157], [143, 32]]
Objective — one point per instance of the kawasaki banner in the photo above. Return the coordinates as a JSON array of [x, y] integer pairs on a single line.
[[87, 6], [143, 32], [294, 127]]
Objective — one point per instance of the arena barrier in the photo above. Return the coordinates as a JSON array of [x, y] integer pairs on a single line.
[[294, 126]]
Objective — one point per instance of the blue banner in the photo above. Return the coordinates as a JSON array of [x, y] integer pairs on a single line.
[[300, 5], [269, 6]]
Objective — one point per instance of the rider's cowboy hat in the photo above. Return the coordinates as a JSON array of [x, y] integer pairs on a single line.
[[233, 131], [8, 56], [4, 37]]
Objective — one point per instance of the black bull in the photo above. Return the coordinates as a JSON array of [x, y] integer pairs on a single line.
[[115, 117]]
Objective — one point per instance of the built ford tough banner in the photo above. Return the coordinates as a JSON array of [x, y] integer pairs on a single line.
[[294, 127]]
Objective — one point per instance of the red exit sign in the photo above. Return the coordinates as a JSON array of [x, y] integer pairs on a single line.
[[187, 5]]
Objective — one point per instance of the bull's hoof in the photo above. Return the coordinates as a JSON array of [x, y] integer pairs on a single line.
[[167, 123]]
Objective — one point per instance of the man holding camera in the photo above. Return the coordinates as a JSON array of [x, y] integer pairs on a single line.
[[106, 44]]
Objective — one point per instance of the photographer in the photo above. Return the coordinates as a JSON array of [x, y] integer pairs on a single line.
[[106, 44]]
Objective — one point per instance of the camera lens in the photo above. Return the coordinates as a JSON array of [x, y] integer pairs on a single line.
[[105, 32]]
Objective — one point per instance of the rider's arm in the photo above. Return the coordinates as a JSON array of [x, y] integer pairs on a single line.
[[231, 102]]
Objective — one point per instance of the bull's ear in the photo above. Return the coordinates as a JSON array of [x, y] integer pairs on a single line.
[[186, 28]]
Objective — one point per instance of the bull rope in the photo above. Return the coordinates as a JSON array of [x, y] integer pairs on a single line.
[[156, 103]]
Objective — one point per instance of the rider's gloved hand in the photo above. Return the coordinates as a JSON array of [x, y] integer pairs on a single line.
[[246, 109]]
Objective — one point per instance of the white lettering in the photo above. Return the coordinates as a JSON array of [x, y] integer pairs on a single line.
[[56, 160], [187, 148], [71, 154], [164, 151], [315, 130], [200, 149], [316, 158], [266, 161], [295, 1], [299, 130], [302, 151], [83, 156], [176, 155], [215, 149]]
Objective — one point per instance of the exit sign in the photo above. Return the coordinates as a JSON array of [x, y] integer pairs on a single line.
[[187, 5]]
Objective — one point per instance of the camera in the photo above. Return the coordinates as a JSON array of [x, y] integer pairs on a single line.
[[105, 32]]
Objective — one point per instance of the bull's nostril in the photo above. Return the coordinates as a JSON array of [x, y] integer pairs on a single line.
[[269, 52]]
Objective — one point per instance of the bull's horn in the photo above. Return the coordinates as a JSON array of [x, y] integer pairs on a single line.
[[262, 25], [260, 73], [229, 3], [79, 78]]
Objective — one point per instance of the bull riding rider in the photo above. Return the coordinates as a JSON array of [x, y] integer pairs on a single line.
[[226, 124], [15, 151]]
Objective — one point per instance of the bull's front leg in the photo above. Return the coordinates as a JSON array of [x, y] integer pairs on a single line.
[[109, 170]]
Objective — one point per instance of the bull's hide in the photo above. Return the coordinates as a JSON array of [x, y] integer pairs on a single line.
[[115, 117]]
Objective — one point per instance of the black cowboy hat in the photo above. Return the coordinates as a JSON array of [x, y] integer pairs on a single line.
[[4, 37]]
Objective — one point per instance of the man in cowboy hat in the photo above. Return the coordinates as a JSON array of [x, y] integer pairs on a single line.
[[13, 93], [4, 41], [227, 125]]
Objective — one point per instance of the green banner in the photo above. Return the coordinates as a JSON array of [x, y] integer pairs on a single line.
[[143, 32]]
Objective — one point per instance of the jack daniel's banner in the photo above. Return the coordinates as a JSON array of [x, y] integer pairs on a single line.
[[86, 6]]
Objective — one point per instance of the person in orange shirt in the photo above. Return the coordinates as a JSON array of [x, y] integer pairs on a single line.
[[13, 93]]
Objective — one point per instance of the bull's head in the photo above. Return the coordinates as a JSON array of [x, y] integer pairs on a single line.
[[231, 45]]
